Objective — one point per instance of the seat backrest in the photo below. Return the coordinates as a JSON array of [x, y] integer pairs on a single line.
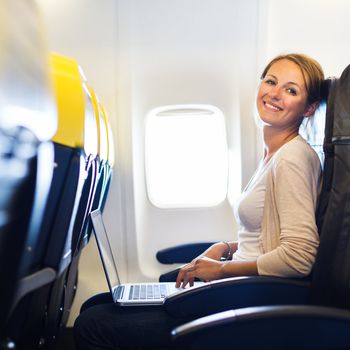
[[83, 228], [331, 275], [92, 183], [28, 119], [79, 183], [18, 151], [317, 133], [52, 248], [103, 167]]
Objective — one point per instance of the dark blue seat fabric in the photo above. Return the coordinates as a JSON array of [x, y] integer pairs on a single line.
[[268, 327], [18, 158], [182, 253], [26, 173], [82, 239], [49, 252]]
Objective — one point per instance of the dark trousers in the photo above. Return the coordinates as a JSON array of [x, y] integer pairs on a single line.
[[104, 325]]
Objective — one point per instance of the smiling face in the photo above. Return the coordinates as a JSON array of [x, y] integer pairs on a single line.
[[282, 97]]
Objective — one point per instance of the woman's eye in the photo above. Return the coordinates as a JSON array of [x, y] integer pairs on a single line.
[[270, 82], [292, 91]]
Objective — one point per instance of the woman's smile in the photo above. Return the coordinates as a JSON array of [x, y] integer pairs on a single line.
[[273, 107]]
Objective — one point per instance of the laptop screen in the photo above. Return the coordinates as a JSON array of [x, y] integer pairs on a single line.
[[105, 250]]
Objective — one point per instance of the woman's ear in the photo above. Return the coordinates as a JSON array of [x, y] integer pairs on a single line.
[[310, 109]]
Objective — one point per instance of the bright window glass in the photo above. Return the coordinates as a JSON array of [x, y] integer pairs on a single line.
[[186, 156]]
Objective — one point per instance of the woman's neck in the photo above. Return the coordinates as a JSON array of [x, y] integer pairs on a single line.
[[273, 141]]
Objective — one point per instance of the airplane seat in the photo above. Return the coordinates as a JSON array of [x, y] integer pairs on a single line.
[[89, 192], [313, 131], [26, 172], [322, 320], [83, 228], [83, 116], [32, 279], [102, 189], [28, 120], [104, 297], [105, 173], [39, 310], [75, 144], [101, 175], [18, 151]]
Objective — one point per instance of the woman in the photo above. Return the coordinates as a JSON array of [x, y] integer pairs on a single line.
[[276, 213]]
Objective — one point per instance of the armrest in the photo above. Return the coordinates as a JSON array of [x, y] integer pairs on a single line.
[[270, 327], [169, 276], [182, 253], [237, 292]]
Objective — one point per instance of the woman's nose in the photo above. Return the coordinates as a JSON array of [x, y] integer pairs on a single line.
[[275, 93]]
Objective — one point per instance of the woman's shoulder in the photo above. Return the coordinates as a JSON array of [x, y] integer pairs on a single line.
[[297, 151]]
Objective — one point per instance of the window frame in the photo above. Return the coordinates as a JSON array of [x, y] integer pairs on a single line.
[[182, 110]]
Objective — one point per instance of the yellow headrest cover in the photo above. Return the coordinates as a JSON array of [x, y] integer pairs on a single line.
[[70, 101]]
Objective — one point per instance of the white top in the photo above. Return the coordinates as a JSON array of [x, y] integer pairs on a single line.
[[248, 212]]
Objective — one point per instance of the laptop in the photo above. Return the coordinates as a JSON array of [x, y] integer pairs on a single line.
[[128, 294]]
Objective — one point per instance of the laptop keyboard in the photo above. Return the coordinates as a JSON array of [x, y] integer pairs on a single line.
[[147, 292]]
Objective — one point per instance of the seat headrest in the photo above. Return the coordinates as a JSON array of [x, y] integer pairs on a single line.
[[325, 87], [340, 102], [70, 101]]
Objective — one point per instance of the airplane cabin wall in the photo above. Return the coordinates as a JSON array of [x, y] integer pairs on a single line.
[[183, 53], [317, 28]]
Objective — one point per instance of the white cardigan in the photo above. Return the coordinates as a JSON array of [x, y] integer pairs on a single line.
[[289, 237]]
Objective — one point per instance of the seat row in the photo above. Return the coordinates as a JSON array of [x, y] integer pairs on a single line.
[[56, 164]]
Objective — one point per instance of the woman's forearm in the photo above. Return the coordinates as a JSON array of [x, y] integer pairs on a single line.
[[233, 268]]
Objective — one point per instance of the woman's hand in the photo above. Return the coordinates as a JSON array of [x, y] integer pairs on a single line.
[[208, 269], [204, 268]]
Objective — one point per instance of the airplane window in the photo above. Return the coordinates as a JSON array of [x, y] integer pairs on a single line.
[[186, 156]]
